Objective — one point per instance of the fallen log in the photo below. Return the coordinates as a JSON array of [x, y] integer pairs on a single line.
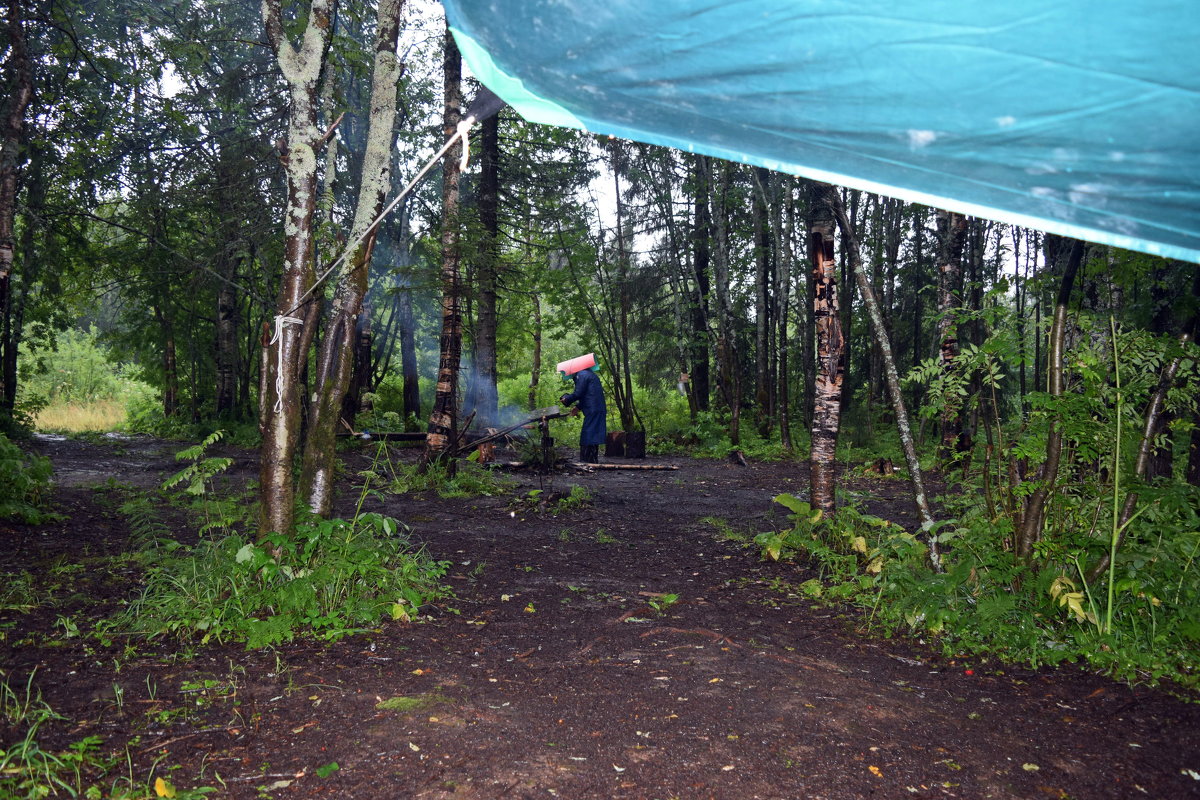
[[607, 465]]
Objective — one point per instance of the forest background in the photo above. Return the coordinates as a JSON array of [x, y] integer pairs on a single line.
[[177, 179]]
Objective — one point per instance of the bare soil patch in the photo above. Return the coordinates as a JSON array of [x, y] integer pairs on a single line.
[[552, 675]]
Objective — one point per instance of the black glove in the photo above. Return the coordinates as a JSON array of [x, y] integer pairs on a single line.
[[563, 399]]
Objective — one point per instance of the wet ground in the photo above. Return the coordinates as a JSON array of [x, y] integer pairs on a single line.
[[557, 671]]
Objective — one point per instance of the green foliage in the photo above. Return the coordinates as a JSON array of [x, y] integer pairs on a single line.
[[24, 484], [330, 579], [663, 602], [468, 480], [77, 369]]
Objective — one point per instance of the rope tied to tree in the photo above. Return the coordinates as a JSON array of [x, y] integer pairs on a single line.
[[281, 323], [483, 106]]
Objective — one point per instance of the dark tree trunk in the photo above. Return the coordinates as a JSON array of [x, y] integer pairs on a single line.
[[952, 231], [1029, 525], [785, 212], [18, 78], [701, 237], [535, 373], [408, 356], [14, 297], [487, 272], [830, 344], [440, 439], [729, 374], [762, 297]]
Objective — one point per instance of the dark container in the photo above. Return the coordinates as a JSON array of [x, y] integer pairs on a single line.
[[614, 444], [635, 444]]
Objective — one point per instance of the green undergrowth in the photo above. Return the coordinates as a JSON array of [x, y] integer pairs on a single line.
[[84, 768], [24, 484], [328, 579], [984, 604], [467, 479]]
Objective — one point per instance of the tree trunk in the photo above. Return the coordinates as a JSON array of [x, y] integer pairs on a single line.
[[830, 345], [535, 373], [335, 358], [952, 231], [439, 441], [18, 77], [784, 226], [883, 341], [408, 356], [284, 358], [762, 314], [1155, 411], [727, 358], [488, 272], [701, 236], [1029, 525]]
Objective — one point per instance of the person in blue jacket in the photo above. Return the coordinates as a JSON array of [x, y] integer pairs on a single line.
[[589, 394]]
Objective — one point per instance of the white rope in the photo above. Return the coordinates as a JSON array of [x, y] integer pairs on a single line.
[[463, 128], [281, 322]]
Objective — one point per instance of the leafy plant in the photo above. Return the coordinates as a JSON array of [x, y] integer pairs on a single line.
[[662, 602], [24, 484], [330, 579]]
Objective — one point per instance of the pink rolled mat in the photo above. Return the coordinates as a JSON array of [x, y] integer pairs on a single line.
[[573, 365]]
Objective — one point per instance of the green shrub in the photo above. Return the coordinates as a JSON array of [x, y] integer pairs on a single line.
[[330, 579], [24, 483]]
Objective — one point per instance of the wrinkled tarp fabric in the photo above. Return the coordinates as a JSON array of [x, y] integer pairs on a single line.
[[1075, 117]]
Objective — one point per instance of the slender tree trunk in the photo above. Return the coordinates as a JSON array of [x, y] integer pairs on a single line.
[[488, 271], [830, 345], [727, 360], [701, 236], [952, 230], [762, 315], [284, 356], [1155, 411], [408, 356], [883, 341], [18, 78], [15, 296], [335, 357], [535, 374], [785, 226], [439, 441], [1029, 526]]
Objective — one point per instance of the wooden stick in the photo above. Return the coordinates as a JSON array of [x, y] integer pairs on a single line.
[[607, 465]]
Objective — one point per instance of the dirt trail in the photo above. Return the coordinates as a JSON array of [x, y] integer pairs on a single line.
[[551, 675]]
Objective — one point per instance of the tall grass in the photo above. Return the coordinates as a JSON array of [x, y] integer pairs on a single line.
[[78, 417]]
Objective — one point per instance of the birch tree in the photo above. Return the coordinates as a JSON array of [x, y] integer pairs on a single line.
[[296, 315], [335, 358], [830, 344]]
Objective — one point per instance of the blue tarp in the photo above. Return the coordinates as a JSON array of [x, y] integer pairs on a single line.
[[1071, 116]]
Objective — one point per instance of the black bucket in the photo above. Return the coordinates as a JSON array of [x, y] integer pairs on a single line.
[[635, 444]]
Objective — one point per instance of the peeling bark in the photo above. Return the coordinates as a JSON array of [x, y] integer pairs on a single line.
[[335, 359], [830, 345], [439, 440], [284, 359]]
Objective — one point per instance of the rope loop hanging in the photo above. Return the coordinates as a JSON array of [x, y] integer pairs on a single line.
[[281, 323]]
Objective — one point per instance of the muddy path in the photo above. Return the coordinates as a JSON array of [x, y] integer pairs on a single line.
[[551, 674]]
